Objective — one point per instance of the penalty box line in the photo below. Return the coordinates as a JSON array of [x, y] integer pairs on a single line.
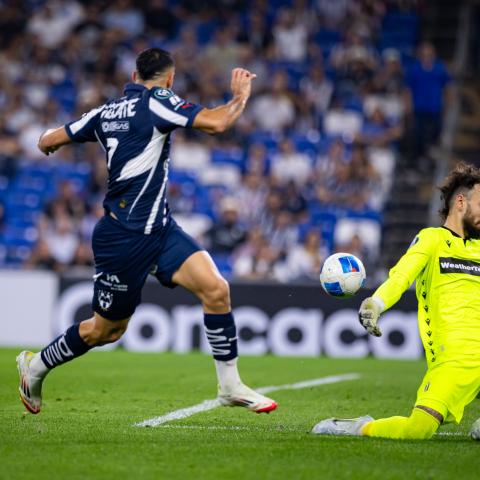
[[211, 404]]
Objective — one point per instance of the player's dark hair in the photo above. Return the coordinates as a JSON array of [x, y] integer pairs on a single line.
[[153, 62], [460, 180]]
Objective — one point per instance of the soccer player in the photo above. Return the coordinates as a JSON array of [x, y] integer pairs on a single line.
[[138, 236], [445, 262]]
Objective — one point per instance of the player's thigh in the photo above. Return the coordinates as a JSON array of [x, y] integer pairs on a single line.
[[123, 260], [199, 274]]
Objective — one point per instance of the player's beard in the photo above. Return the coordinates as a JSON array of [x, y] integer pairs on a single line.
[[469, 227]]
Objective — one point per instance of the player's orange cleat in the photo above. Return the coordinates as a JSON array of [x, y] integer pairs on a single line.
[[243, 396], [30, 387]]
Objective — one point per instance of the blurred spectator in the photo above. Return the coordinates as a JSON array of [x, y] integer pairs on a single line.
[[317, 90], [290, 165], [126, 17], [342, 122], [268, 214], [9, 150], [54, 20], [284, 233], [333, 12], [83, 256], [42, 258], [251, 197], [161, 18], [62, 240], [66, 201], [2, 216], [274, 111], [226, 234], [89, 221], [257, 160], [254, 260], [378, 131], [290, 37], [256, 33], [223, 53], [294, 201], [428, 80], [305, 260], [326, 164]]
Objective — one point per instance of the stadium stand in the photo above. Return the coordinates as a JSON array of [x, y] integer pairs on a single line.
[[307, 171]]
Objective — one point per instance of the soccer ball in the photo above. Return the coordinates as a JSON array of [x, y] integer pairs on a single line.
[[342, 275]]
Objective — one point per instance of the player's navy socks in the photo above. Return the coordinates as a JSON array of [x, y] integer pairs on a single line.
[[64, 348], [222, 335]]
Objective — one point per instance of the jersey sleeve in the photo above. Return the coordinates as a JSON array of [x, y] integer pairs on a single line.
[[83, 129], [403, 274], [169, 111]]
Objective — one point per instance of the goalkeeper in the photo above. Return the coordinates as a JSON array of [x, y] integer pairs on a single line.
[[445, 262]]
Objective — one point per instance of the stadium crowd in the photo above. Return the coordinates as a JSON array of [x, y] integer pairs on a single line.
[[306, 171]]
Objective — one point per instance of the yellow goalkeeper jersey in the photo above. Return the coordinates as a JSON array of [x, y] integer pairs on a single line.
[[447, 270]]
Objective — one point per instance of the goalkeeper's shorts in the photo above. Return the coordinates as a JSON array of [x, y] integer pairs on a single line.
[[448, 388]]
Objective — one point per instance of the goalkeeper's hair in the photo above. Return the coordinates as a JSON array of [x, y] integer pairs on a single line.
[[153, 62], [461, 179]]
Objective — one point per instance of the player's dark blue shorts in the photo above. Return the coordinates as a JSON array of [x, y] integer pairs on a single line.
[[124, 258]]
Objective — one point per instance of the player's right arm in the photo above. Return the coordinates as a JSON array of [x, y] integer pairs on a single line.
[[78, 131], [219, 119], [52, 139], [401, 276]]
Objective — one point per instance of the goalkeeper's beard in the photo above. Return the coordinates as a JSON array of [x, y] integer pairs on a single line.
[[469, 227]]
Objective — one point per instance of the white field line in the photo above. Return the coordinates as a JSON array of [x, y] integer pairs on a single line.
[[211, 404]]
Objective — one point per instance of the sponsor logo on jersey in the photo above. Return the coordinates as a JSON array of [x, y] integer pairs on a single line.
[[458, 265], [122, 109], [162, 93], [122, 126]]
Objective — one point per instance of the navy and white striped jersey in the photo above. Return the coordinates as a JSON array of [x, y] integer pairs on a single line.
[[134, 131]]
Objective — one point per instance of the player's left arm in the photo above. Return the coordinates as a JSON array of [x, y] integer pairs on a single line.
[[52, 139], [402, 275]]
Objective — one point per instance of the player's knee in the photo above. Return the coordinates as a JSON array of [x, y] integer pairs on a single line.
[[217, 295]]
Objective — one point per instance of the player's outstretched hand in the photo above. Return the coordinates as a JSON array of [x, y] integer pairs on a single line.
[[44, 148], [241, 83], [369, 314]]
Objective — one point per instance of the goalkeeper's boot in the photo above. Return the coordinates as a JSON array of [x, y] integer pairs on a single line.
[[342, 426], [30, 386], [243, 396], [475, 430]]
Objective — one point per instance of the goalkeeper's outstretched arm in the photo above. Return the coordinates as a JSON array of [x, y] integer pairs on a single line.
[[402, 275], [52, 139]]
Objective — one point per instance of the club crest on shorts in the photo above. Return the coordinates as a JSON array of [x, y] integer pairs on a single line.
[[105, 299]]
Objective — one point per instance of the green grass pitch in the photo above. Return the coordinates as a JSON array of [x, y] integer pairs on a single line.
[[85, 429]]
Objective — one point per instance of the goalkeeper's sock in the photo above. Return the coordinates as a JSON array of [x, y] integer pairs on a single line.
[[64, 348], [419, 425]]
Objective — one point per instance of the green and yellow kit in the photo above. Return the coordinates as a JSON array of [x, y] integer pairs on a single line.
[[446, 268]]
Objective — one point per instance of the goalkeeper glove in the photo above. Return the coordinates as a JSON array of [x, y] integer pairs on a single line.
[[369, 312]]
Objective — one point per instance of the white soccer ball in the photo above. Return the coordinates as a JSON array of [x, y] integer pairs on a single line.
[[342, 275]]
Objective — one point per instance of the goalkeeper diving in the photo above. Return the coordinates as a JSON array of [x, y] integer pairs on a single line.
[[445, 262]]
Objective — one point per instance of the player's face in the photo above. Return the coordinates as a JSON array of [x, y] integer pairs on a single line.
[[471, 218]]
